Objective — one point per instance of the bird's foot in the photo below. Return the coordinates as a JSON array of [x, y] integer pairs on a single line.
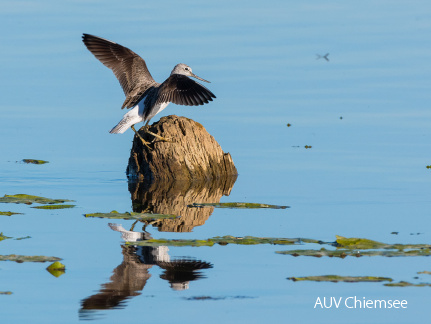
[[164, 139]]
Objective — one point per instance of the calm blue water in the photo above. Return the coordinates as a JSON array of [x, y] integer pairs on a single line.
[[366, 114]]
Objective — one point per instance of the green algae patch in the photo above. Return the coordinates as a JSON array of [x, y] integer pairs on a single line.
[[221, 240], [407, 284], [30, 199], [165, 242], [56, 269], [8, 213], [365, 244], [335, 278], [28, 258], [345, 253], [241, 205], [358, 243], [33, 161], [127, 215], [54, 206]]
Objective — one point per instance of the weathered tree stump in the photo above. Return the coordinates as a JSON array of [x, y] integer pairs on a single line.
[[191, 154]]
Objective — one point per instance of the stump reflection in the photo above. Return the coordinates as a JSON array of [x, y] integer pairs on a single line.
[[164, 197]]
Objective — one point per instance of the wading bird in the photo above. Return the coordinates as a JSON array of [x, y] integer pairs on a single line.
[[145, 96]]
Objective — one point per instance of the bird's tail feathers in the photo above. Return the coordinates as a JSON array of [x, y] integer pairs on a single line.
[[121, 127]]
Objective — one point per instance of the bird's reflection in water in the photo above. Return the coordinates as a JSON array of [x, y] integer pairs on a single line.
[[130, 277]]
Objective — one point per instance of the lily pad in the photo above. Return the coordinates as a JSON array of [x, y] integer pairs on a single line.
[[28, 258], [344, 253], [30, 199], [237, 205], [9, 213], [33, 161], [335, 278], [224, 240], [136, 216], [407, 284], [54, 206]]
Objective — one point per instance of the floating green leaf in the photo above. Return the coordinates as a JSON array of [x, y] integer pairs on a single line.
[[32, 161], [335, 278], [56, 269], [224, 240], [29, 199], [237, 205], [28, 258], [9, 213], [344, 253], [137, 216], [407, 284], [54, 206]]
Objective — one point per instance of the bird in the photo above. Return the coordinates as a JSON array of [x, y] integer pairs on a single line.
[[318, 57], [144, 95]]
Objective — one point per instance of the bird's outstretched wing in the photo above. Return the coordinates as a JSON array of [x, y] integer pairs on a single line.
[[182, 90], [129, 68]]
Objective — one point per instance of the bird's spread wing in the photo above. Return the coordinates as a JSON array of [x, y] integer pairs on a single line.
[[129, 68], [182, 90]]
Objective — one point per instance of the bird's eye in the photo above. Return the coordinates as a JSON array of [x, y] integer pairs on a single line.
[[186, 68]]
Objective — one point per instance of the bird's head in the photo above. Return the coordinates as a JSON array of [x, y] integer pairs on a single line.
[[184, 69]]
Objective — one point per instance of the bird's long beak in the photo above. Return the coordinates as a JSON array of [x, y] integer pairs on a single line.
[[195, 76]]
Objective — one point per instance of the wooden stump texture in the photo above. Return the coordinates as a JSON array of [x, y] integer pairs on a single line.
[[191, 154]]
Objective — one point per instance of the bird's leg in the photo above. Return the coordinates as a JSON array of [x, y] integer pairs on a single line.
[[154, 134], [133, 226], [137, 134]]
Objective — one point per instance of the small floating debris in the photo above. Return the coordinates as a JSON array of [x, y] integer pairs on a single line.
[[288, 125], [127, 215], [4, 237], [308, 146], [54, 206], [28, 258], [237, 205], [9, 213], [33, 161], [5, 293], [407, 284], [425, 272], [216, 298], [30, 199], [335, 278]]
